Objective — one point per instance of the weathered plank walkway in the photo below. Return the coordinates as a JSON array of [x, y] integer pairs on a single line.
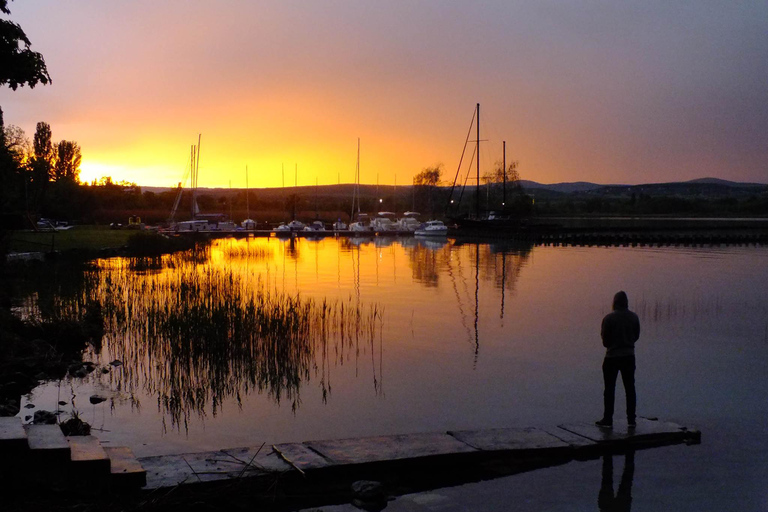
[[421, 459], [39, 459], [526, 448]]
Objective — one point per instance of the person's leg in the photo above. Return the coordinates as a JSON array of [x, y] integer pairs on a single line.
[[610, 373], [628, 379]]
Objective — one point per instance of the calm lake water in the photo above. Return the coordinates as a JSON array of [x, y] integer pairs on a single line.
[[269, 340]]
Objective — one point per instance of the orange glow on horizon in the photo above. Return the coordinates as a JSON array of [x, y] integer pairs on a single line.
[[220, 167], [580, 93]]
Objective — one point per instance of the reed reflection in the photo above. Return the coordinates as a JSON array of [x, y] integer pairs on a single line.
[[195, 335]]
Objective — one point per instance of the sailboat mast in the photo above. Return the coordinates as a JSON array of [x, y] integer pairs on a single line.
[[295, 184], [247, 199], [504, 171], [477, 198], [197, 171], [357, 172], [194, 180], [356, 189]]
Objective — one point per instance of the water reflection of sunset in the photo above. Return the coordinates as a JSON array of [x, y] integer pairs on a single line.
[[377, 336]]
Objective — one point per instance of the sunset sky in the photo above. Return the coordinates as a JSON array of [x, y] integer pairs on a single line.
[[602, 91]]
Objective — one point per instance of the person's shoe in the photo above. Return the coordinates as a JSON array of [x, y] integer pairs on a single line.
[[604, 423]]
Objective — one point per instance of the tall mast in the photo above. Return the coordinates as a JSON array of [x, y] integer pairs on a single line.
[[358, 175], [295, 184], [193, 180], [504, 171], [477, 201], [356, 189], [247, 199], [197, 172], [195, 167]]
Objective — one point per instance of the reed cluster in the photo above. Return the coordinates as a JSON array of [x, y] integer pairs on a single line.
[[195, 335]]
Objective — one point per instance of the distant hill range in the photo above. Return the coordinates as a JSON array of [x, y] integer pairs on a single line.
[[701, 186]]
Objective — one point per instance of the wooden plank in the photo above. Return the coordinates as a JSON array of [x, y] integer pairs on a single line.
[[48, 443], [574, 440], [512, 439], [168, 471], [254, 460], [389, 448], [88, 455], [13, 438], [301, 456], [126, 470], [172, 470], [646, 431]]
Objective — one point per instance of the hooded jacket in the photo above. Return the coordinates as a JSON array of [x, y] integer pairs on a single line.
[[620, 328]]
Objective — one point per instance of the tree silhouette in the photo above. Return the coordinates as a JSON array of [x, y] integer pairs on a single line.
[[19, 65], [42, 159], [426, 182], [68, 159], [40, 164]]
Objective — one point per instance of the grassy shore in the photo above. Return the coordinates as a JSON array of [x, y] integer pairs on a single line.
[[76, 238]]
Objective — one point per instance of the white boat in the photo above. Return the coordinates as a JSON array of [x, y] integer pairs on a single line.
[[192, 226], [359, 227], [362, 224], [432, 228], [316, 226], [383, 222], [296, 225], [282, 230], [248, 225], [339, 225], [409, 222]]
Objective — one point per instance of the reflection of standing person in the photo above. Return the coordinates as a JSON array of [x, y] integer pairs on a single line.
[[620, 330], [622, 501]]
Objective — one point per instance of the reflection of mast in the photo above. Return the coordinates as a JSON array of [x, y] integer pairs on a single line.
[[356, 279], [477, 298], [503, 280], [460, 303]]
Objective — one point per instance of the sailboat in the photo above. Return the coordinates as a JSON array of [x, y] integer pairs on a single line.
[[362, 221], [509, 217], [211, 222], [195, 224], [248, 224]]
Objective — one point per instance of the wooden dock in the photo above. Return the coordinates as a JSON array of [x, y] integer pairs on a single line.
[[424, 460], [42, 455], [454, 452]]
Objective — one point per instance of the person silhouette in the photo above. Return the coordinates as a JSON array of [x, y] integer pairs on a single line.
[[621, 501], [619, 331]]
